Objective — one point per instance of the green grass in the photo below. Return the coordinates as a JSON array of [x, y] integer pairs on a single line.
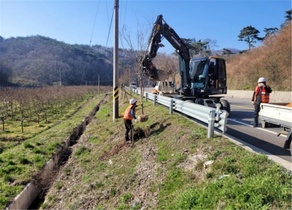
[[260, 191], [166, 170], [21, 161]]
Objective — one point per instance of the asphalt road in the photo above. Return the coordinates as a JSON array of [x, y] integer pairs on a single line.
[[263, 140], [240, 130]]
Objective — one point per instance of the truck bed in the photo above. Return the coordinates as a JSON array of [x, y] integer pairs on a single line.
[[276, 113]]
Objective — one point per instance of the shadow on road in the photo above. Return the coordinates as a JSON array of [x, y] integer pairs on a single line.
[[262, 144]]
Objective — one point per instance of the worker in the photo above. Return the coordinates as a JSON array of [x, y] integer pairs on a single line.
[[260, 95], [155, 91], [129, 115]]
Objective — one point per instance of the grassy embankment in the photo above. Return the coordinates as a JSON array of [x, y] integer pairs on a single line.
[[175, 167]]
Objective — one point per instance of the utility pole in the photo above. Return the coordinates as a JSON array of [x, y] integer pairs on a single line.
[[116, 62], [98, 83], [60, 75]]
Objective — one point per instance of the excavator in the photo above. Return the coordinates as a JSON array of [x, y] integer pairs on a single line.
[[201, 78]]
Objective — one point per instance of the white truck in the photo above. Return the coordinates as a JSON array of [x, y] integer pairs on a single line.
[[164, 88], [278, 114]]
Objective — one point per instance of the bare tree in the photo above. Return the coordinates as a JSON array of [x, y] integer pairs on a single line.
[[134, 52]]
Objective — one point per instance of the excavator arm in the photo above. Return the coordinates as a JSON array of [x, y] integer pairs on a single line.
[[200, 78], [162, 29]]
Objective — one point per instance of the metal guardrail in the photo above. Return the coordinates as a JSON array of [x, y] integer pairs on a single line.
[[214, 118]]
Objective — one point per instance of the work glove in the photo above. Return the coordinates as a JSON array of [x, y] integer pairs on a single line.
[[253, 103], [261, 85]]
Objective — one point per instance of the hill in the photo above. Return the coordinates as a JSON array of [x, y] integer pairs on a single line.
[[39, 61], [271, 60]]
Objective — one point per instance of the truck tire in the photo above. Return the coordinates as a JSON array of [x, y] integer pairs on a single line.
[[199, 101], [266, 124], [225, 105], [289, 143]]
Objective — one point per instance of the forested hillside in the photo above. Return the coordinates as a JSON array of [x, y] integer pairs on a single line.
[[39, 61], [271, 60]]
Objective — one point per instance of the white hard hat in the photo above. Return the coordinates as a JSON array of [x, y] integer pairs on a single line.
[[262, 79], [132, 101]]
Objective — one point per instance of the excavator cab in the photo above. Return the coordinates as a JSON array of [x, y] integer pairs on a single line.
[[208, 76]]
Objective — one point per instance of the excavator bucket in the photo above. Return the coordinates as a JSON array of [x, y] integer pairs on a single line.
[[158, 75], [152, 72]]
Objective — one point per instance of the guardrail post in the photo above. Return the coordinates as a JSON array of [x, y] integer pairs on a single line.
[[146, 96], [211, 124], [154, 100], [171, 107]]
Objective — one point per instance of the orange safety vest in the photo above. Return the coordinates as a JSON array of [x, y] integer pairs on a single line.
[[265, 96], [155, 91], [127, 114]]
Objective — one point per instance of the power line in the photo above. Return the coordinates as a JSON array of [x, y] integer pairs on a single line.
[[125, 12], [94, 23], [109, 28]]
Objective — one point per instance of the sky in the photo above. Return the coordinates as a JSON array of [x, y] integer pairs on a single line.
[[90, 22]]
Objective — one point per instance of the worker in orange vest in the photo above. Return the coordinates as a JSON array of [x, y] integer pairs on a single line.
[[155, 91], [260, 95], [129, 115]]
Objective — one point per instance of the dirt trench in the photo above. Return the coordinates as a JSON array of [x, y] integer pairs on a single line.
[[46, 177], [34, 193]]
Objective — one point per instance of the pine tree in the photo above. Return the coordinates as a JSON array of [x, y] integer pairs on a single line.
[[249, 34]]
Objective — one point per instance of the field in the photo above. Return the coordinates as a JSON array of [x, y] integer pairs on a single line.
[[35, 123], [173, 166]]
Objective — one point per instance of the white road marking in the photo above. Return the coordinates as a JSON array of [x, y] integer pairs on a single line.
[[239, 122], [243, 123], [286, 164]]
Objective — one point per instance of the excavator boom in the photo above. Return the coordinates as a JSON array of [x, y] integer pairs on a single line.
[[201, 78], [162, 29]]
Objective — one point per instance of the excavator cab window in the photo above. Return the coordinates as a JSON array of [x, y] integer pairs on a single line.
[[212, 73], [217, 76], [222, 75], [208, 73], [198, 73]]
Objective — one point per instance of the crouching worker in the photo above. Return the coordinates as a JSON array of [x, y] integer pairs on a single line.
[[129, 115]]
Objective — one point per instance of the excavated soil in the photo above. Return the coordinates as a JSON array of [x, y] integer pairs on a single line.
[[145, 173], [66, 192], [138, 134]]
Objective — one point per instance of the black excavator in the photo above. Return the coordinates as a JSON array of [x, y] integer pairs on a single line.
[[202, 79]]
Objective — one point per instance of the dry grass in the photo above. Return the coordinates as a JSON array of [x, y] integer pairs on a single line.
[[271, 60], [158, 171]]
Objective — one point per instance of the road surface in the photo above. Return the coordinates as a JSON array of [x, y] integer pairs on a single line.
[[240, 127], [240, 130]]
